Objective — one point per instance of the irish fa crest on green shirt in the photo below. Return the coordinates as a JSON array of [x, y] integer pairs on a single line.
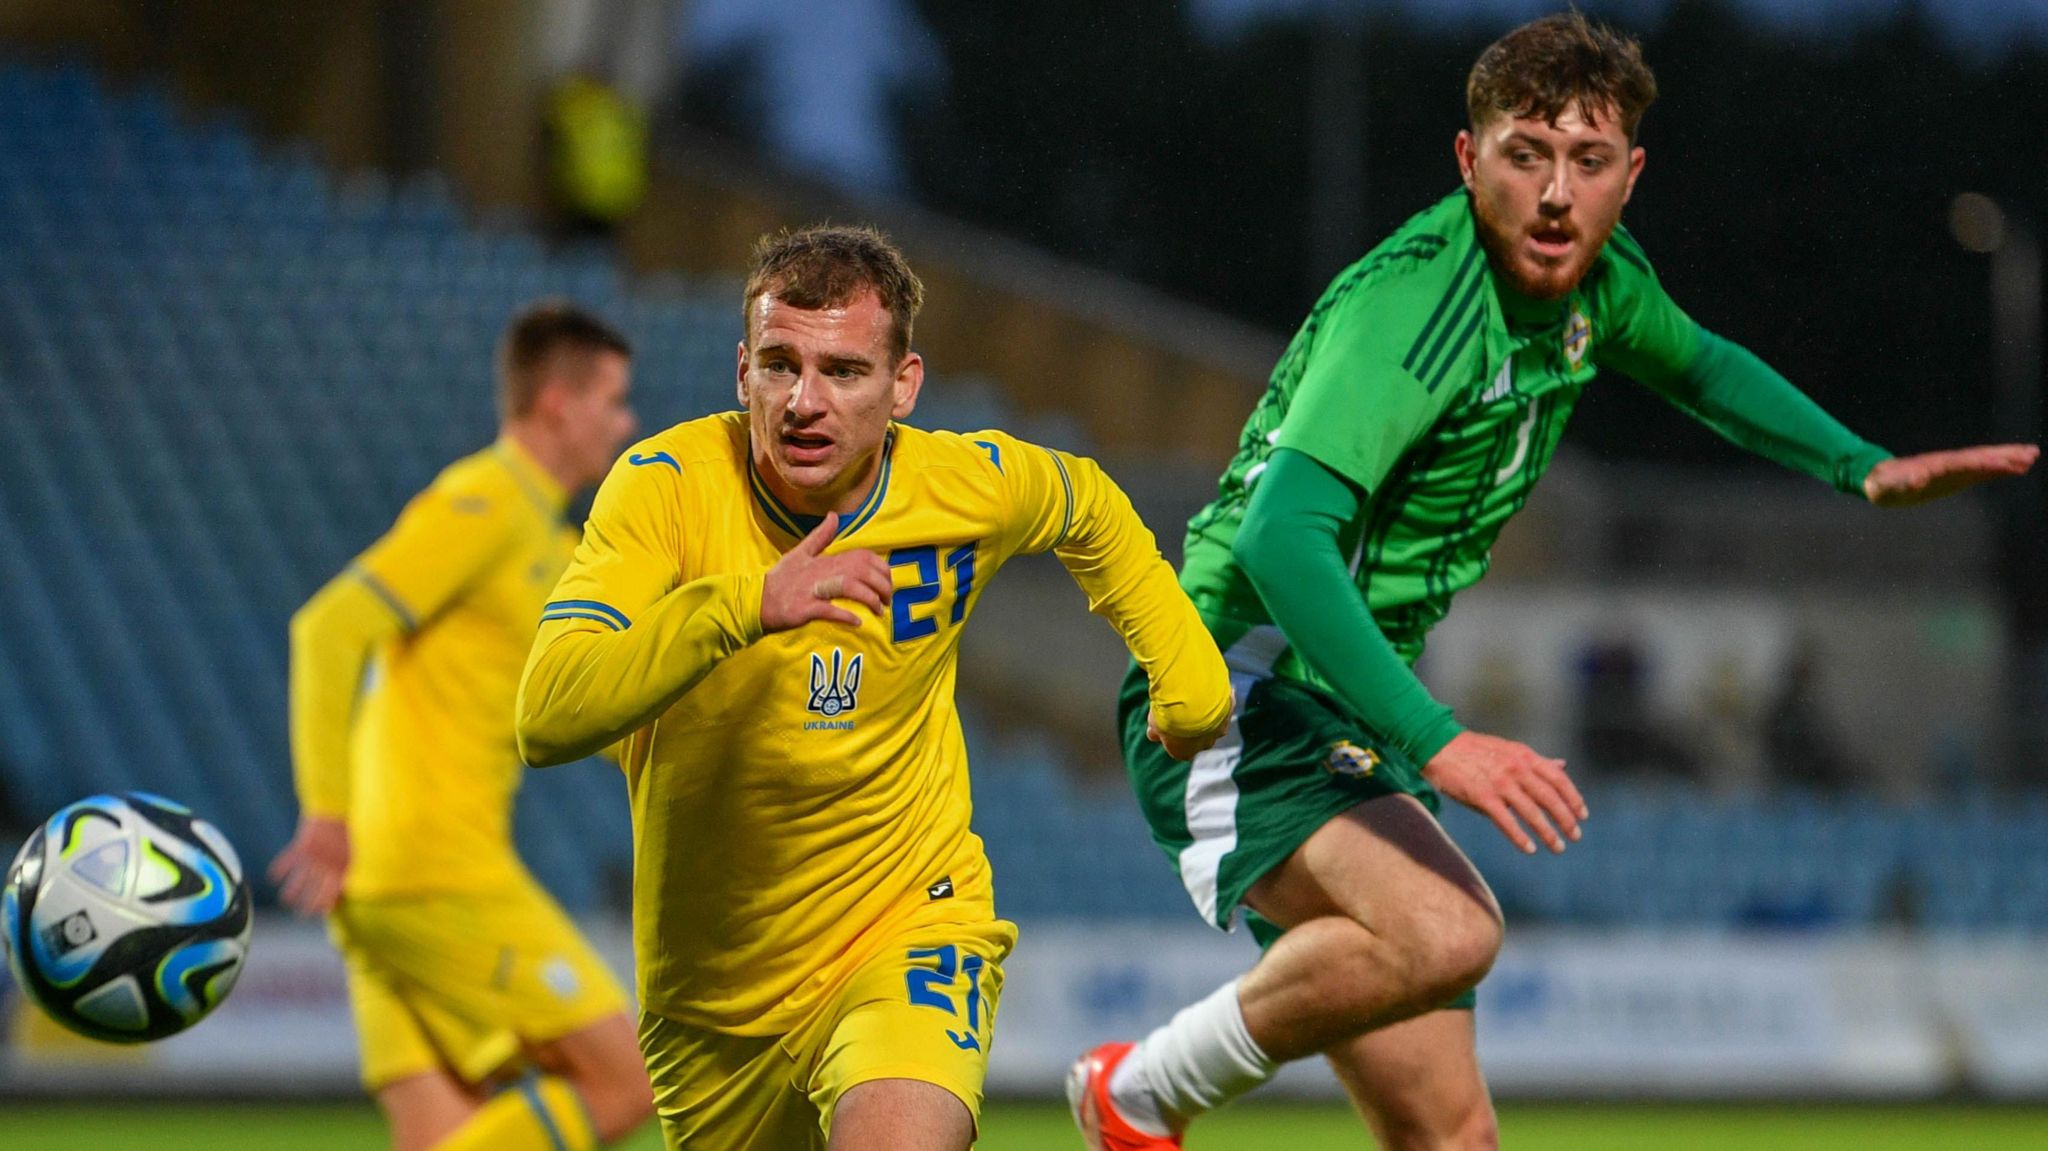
[[1578, 336]]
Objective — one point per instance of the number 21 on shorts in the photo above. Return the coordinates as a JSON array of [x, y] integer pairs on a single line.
[[934, 987]]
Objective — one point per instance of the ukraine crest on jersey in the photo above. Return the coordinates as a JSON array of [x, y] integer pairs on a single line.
[[810, 792], [836, 692]]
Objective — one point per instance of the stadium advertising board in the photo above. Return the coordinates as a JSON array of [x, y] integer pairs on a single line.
[[1563, 1014]]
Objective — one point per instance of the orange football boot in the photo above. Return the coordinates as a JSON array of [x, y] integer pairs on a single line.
[[1095, 1112]]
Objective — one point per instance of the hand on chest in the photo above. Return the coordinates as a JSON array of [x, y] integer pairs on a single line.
[[829, 677]]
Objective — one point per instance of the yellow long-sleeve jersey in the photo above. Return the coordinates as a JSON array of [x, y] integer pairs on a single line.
[[422, 764], [798, 797]]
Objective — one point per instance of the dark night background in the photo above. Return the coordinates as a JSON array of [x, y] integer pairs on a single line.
[[1796, 196]]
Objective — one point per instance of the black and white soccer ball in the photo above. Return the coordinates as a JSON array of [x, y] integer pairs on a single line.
[[125, 917]]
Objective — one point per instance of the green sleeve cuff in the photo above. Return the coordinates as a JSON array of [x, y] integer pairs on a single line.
[[1433, 738], [1854, 470]]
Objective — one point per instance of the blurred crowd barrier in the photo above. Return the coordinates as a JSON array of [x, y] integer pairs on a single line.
[[1565, 1013]]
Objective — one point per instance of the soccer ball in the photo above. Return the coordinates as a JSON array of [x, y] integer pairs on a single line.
[[125, 917]]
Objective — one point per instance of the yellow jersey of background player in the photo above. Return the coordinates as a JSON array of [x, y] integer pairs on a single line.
[[458, 961], [771, 602]]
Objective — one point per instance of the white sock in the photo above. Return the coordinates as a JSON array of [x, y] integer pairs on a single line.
[[1200, 1060]]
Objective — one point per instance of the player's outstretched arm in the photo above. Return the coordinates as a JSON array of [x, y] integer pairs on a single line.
[[1909, 480], [1113, 556], [1730, 389], [1733, 391], [1288, 548], [589, 683], [1067, 503], [441, 542], [332, 639]]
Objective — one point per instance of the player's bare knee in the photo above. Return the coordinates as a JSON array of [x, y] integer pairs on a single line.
[[1474, 1129], [1456, 953], [1347, 968], [1471, 948], [1481, 1131], [1428, 1125]]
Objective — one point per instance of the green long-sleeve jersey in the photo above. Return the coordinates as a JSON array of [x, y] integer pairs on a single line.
[[1439, 392]]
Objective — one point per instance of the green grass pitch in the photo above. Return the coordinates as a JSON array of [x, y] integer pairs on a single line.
[[1017, 1126]]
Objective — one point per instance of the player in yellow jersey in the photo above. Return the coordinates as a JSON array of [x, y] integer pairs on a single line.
[[768, 603], [461, 969]]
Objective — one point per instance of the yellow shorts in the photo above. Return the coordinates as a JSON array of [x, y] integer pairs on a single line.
[[463, 983], [923, 1008]]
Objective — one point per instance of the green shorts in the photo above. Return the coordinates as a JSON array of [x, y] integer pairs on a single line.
[[1292, 760]]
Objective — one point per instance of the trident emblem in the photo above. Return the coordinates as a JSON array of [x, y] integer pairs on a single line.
[[838, 691]]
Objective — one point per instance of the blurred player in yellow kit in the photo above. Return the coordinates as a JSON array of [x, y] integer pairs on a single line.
[[769, 604], [461, 968]]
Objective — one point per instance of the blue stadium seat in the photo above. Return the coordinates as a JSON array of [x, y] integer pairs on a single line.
[[231, 370]]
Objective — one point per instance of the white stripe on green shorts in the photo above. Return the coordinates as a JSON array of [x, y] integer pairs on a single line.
[[1211, 801]]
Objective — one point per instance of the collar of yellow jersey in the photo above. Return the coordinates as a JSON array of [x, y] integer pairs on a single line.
[[544, 491], [797, 526]]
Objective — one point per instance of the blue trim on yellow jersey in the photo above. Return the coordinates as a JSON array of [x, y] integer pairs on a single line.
[[530, 1091], [1066, 520], [866, 511], [770, 506], [802, 525], [589, 615], [389, 597], [601, 611]]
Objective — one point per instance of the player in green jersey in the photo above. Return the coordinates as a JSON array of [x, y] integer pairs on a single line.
[[1405, 424]]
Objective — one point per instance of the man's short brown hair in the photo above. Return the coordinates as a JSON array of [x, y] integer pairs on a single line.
[[527, 350], [830, 266], [1547, 65]]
